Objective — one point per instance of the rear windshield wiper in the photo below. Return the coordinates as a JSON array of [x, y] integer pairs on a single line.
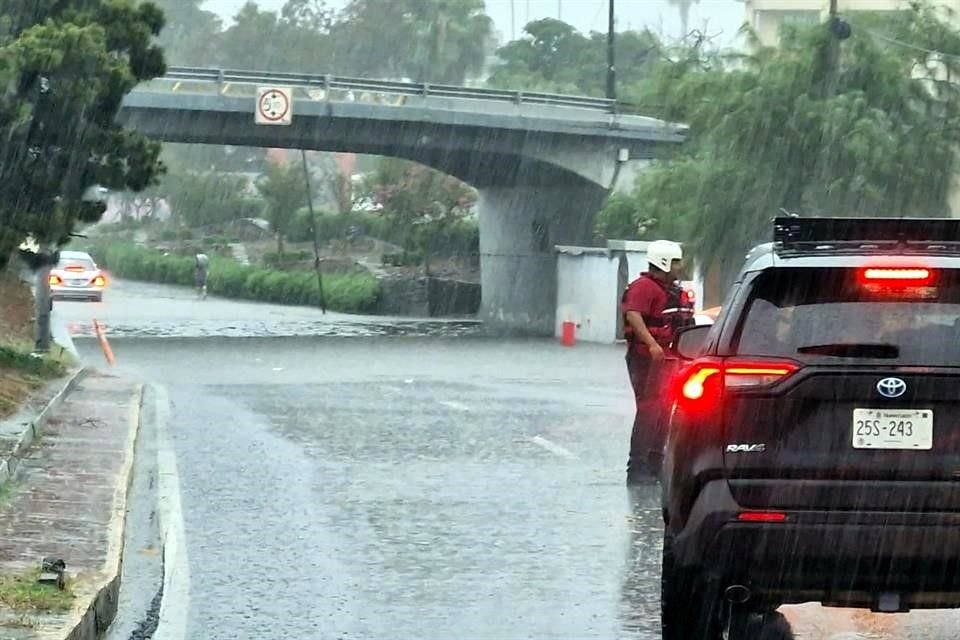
[[853, 350]]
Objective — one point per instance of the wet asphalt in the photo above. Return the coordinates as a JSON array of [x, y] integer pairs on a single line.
[[384, 484]]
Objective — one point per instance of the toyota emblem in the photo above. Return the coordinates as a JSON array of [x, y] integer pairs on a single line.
[[892, 387]]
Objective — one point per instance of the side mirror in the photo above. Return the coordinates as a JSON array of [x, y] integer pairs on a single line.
[[690, 341]]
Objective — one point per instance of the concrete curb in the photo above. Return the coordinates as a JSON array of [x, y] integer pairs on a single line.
[[92, 619], [61, 335], [34, 427]]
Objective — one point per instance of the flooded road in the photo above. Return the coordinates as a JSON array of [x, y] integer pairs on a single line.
[[417, 486]]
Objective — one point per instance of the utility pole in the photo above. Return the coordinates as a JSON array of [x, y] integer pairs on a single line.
[[559, 9], [839, 30], [834, 51], [42, 309], [513, 21], [313, 232], [611, 54]]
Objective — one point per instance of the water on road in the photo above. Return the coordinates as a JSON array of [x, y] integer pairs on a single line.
[[425, 483]]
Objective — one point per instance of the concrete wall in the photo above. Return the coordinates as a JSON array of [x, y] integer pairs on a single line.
[[588, 295], [423, 297]]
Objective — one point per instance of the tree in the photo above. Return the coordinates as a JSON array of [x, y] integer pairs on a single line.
[[765, 135], [191, 33], [443, 41], [554, 56], [67, 66], [291, 40], [201, 199], [284, 190], [308, 14], [422, 204], [683, 6]]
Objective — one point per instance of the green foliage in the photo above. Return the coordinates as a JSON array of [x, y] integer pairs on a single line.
[[783, 132], [426, 40], [431, 40], [335, 226], [186, 35], [291, 40], [554, 57], [67, 66], [617, 220], [22, 592], [290, 257], [201, 199], [351, 293], [44, 367], [284, 190], [419, 203]]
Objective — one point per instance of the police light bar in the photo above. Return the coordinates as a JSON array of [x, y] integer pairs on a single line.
[[791, 232]]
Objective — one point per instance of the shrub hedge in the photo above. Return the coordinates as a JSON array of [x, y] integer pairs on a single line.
[[354, 293]]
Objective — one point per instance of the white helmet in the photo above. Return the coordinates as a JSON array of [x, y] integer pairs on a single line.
[[662, 253]]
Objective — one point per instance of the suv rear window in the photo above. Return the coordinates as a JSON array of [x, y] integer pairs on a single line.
[[830, 315]]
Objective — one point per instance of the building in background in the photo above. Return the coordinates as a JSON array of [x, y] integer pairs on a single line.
[[767, 16]]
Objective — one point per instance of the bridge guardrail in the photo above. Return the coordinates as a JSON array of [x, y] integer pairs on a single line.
[[343, 83]]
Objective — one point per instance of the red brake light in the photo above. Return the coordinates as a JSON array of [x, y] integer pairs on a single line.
[[745, 375], [762, 516], [706, 379], [896, 276], [694, 384]]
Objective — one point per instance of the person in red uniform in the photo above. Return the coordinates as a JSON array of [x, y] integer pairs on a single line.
[[648, 332]]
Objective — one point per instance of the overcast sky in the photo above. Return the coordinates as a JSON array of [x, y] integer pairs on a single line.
[[722, 17]]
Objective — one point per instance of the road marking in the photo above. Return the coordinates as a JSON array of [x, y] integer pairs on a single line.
[[552, 447], [175, 606], [453, 404]]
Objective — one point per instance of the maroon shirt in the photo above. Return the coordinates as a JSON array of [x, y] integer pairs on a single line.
[[647, 296]]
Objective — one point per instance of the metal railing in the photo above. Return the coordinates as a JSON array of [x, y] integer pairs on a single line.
[[421, 89]]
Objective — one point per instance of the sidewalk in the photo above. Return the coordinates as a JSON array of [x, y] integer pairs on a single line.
[[67, 500]]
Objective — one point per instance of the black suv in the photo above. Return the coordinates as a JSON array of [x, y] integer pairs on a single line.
[[813, 448]]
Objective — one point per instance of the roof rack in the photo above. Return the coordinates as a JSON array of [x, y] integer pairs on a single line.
[[859, 235]]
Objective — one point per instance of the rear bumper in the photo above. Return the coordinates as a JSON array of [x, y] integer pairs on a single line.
[[75, 293], [845, 558]]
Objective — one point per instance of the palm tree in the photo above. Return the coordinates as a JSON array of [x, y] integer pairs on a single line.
[[684, 7], [452, 38]]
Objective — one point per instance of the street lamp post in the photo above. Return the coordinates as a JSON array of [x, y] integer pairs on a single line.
[[611, 66]]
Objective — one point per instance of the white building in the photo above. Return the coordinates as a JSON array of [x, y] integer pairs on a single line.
[[767, 16]]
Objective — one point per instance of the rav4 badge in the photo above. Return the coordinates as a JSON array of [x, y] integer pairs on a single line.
[[746, 448]]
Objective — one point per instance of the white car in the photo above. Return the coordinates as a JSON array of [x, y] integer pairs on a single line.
[[77, 277]]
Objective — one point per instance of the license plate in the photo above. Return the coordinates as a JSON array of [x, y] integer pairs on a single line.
[[893, 429], [76, 283]]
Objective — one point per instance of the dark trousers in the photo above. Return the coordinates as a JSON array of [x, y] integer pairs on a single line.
[[647, 379]]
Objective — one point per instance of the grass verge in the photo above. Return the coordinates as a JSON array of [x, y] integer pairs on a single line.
[[350, 293], [22, 374], [21, 592]]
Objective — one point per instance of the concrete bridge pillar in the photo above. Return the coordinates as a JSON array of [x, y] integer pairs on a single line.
[[519, 227]]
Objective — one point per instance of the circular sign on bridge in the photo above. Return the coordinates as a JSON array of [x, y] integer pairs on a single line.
[[274, 105]]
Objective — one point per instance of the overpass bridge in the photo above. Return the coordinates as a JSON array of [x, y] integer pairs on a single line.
[[542, 163]]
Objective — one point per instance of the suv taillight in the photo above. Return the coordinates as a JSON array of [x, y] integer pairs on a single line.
[[704, 380]]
